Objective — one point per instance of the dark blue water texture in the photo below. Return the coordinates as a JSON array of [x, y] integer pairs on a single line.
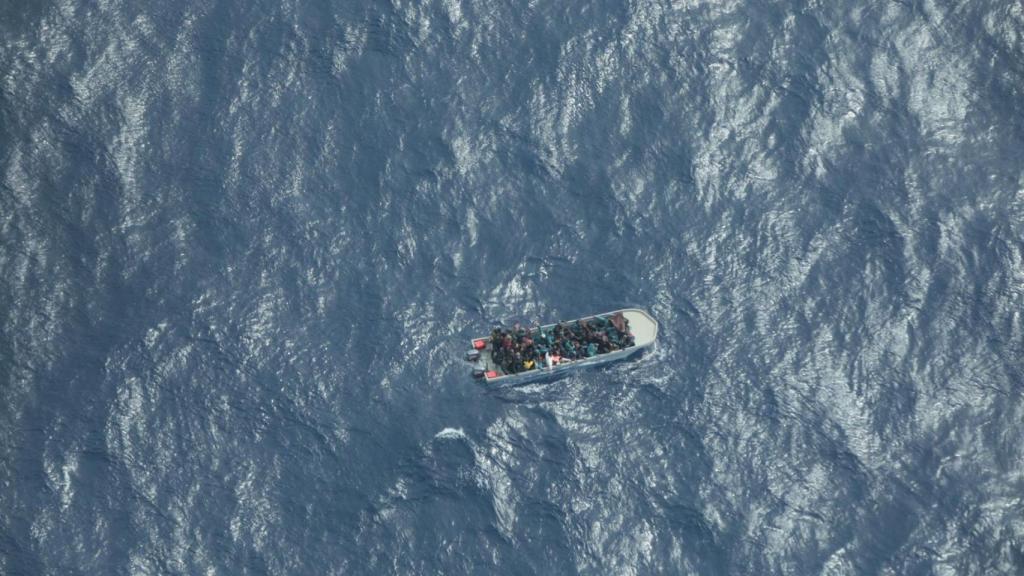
[[243, 246]]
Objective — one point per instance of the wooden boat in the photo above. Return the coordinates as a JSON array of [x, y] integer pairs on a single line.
[[640, 326]]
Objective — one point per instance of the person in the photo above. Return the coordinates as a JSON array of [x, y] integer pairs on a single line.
[[619, 321], [570, 349], [585, 329], [518, 332]]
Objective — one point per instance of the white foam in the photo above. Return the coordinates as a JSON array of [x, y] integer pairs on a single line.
[[451, 434]]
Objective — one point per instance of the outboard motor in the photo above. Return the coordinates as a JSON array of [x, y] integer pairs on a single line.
[[472, 355], [478, 373]]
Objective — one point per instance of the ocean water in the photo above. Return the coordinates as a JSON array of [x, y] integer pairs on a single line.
[[243, 246]]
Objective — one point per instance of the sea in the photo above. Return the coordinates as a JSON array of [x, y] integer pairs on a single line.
[[244, 246]]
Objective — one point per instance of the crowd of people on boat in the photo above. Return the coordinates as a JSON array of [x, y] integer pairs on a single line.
[[520, 349]]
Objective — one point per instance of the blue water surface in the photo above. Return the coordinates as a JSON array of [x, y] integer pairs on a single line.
[[243, 246]]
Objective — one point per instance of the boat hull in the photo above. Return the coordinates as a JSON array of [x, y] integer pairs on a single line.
[[643, 327]]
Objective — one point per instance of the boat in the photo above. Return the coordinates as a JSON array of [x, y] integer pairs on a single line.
[[641, 331]]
